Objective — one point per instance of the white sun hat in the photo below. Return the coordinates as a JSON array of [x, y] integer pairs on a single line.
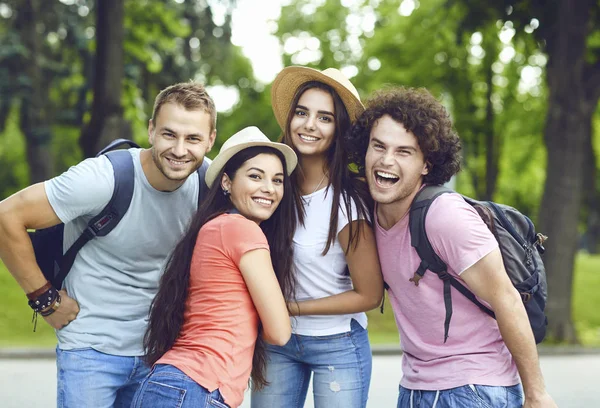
[[247, 137]]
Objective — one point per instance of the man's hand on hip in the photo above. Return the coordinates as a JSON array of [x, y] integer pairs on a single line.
[[66, 312]]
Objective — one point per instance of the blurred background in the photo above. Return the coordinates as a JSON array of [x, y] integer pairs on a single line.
[[520, 78]]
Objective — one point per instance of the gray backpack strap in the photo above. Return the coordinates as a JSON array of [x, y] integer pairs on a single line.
[[116, 144], [418, 235], [429, 259], [418, 239], [111, 214]]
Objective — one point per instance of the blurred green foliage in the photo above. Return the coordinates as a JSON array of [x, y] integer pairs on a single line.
[[436, 46]]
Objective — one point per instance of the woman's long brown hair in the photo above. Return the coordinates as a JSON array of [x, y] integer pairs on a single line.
[[344, 182], [167, 309]]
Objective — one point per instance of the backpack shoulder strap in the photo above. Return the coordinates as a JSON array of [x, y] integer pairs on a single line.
[[202, 187], [118, 205], [429, 259], [115, 144], [418, 235], [111, 214], [419, 240]]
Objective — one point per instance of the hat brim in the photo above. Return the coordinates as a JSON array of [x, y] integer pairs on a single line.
[[215, 167], [291, 78]]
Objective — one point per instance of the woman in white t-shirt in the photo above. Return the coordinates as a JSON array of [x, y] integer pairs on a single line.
[[336, 266]]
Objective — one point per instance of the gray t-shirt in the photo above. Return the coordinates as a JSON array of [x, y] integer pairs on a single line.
[[115, 278]]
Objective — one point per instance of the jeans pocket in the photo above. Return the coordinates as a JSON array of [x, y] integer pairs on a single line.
[[516, 397], [162, 395], [356, 327], [516, 390], [216, 403], [498, 396]]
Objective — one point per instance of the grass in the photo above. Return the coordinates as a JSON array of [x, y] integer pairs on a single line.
[[16, 329], [586, 299]]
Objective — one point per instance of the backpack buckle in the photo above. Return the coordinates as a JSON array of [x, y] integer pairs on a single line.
[[444, 275], [526, 297], [539, 241], [423, 266], [89, 233], [416, 278]]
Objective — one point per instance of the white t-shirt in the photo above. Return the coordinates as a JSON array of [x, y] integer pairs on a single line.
[[320, 276]]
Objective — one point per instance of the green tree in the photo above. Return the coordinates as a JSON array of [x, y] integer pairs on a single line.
[[567, 33], [96, 76], [383, 44], [107, 112], [497, 66], [30, 62]]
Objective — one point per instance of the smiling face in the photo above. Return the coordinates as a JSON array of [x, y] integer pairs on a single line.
[[257, 186], [312, 127], [394, 163], [180, 138]]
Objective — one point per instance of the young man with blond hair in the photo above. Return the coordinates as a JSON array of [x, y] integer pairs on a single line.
[[100, 315]]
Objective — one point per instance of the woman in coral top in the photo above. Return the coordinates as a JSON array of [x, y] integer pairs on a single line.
[[221, 293]]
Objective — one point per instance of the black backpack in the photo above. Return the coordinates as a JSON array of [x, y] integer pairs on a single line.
[[519, 244], [48, 242]]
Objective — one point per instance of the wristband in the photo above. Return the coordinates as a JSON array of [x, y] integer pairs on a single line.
[[45, 300], [37, 293], [53, 307]]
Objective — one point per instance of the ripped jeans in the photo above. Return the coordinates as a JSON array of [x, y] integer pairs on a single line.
[[341, 364]]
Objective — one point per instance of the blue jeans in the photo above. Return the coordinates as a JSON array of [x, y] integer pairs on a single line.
[[169, 387], [480, 396], [341, 364], [89, 378]]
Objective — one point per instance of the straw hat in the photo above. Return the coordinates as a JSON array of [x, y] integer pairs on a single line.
[[291, 78], [247, 137]]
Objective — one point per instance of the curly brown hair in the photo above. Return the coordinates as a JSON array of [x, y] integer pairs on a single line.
[[420, 113]]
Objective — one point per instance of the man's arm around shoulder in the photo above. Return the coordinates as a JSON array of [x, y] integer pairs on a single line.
[[489, 281], [30, 209]]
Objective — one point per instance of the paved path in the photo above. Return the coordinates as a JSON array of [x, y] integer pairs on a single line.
[[573, 381]]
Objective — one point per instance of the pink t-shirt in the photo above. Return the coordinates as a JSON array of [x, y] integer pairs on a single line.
[[474, 352], [216, 343]]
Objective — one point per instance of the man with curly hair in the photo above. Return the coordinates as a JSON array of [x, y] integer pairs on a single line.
[[403, 141]]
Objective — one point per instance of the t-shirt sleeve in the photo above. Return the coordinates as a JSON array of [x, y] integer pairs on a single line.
[[84, 189], [343, 218], [241, 235], [457, 233]]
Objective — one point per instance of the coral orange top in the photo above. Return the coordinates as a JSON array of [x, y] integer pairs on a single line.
[[216, 343]]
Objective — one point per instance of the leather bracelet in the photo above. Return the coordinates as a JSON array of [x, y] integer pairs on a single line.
[[44, 301], [36, 293], [53, 307]]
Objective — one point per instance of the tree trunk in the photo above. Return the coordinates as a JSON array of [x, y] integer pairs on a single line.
[[591, 197], [107, 121], [568, 125], [491, 140], [34, 104]]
